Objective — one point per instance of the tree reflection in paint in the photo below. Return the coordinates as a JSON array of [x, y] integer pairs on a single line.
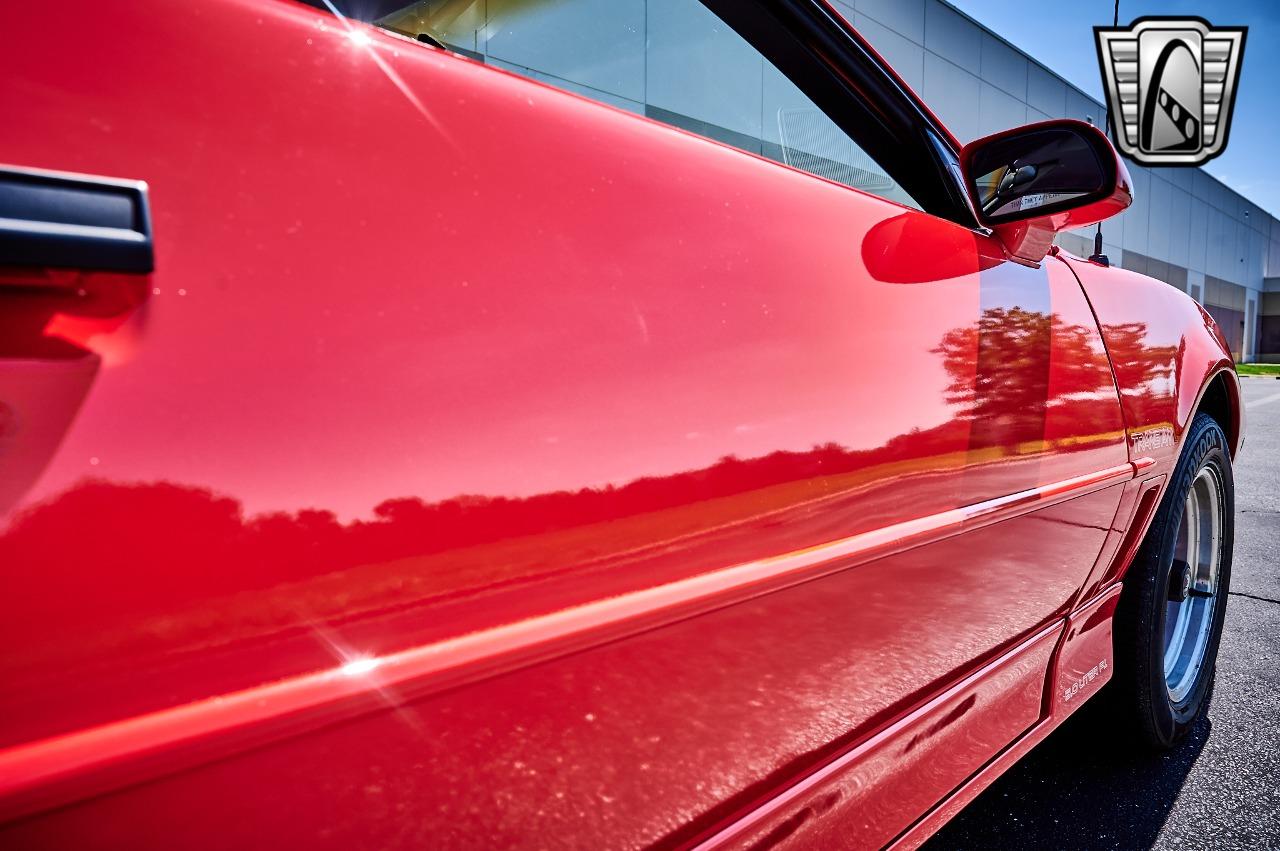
[[1008, 396], [1148, 374], [150, 544], [124, 586], [110, 573]]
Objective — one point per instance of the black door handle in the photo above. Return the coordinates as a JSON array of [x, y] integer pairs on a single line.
[[74, 221]]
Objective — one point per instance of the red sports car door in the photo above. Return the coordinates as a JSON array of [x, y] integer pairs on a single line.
[[483, 465]]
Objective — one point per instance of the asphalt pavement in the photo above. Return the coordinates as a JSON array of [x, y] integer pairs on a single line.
[[1220, 788]]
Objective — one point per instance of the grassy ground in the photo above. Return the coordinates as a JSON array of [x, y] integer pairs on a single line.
[[1258, 368]]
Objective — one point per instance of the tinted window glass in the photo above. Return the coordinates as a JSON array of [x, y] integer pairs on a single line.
[[671, 60]]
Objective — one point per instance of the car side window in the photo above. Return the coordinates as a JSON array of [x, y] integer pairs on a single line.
[[671, 60]]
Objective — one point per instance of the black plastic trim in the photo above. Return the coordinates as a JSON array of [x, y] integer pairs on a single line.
[[830, 63], [74, 221]]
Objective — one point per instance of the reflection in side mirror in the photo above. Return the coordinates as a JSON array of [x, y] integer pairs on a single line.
[[1036, 173], [1034, 181]]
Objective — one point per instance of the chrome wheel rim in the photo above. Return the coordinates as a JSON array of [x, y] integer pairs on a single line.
[[1188, 622]]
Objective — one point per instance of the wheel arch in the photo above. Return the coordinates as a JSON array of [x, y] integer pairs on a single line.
[[1220, 398]]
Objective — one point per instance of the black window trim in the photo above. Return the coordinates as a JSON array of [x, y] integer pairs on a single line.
[[859, 94]]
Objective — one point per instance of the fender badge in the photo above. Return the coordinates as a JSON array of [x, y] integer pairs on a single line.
[[1085, 679], [1152, 438]]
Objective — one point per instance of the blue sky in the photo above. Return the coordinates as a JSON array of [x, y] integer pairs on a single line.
[[1060, 35]]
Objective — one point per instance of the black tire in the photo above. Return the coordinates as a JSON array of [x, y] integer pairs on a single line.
[[1156, 713]]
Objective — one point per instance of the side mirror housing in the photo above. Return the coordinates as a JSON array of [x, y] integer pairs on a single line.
[[1029, 183]]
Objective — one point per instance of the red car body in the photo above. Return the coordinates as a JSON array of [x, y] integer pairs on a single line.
[[613, 488]]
